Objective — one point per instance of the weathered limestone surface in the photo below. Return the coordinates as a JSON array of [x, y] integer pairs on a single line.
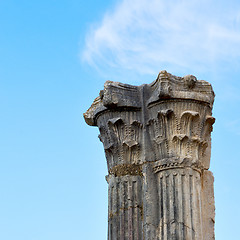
[[157, 141]]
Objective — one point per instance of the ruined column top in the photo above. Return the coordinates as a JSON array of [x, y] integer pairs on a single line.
[[166, 87]]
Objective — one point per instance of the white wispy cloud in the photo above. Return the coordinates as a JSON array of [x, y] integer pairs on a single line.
[[145, 36]]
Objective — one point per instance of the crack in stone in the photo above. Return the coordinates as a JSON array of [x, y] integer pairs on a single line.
[[116, 213], [176, 222]]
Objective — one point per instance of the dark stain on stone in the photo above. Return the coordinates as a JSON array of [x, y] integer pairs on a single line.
[[126, 169]]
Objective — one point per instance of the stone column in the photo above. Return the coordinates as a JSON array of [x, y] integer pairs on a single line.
[[157, 141]]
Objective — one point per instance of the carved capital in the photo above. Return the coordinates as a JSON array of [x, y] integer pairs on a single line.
[[165, 120]]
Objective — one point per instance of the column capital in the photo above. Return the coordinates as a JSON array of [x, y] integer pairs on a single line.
[[167, 121], [166, 86]]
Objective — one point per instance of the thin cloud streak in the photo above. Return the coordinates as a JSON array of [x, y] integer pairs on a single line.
[[147, 35]]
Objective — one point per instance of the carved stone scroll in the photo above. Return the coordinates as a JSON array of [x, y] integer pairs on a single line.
[[157, 141]]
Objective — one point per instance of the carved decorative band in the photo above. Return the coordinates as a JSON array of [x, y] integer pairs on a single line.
[[171, 163], [126, 169], [177, 100]]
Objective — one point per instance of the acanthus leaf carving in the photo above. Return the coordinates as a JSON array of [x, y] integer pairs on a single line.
[[130, 143], [104, 137], [190, 122], [209, 121], [121, 140]]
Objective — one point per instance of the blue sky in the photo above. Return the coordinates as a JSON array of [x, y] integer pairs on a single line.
[[54, 59]]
